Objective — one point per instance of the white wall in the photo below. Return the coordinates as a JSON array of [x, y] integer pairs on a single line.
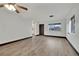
[[35, 27], [13, 26], [73, 37]]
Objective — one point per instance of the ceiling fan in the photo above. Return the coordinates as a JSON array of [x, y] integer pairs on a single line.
[[13, 7]]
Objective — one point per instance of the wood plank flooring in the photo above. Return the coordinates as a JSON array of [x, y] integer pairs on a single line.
[[38, 46]]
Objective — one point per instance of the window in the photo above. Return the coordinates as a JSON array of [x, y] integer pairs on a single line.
[[72, 24], [55, 27]]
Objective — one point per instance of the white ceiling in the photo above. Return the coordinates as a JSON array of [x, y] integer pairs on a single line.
[[41, 11]]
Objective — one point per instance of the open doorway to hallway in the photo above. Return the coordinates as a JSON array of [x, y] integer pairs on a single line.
[[41, 29]]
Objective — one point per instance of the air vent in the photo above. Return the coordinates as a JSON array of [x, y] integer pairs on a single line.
[[51, 16]]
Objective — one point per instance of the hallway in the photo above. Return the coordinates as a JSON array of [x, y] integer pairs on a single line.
[[43, 46]]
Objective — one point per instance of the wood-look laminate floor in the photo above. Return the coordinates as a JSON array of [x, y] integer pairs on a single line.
[[38, 46]]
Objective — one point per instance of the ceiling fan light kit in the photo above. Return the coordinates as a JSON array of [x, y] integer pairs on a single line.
[[10, 7], [13, 7]]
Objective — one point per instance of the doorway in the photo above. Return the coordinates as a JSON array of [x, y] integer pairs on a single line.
[[41, 29]]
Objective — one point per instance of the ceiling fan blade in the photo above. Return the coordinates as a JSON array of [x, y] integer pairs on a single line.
[[22, 7], [17, 11], [2, 5]]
